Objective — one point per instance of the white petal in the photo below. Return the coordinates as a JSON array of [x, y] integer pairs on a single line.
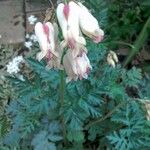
[[73, 22], [61, 19], [42, 39], [52, 38], [70, 27], [114, 56], [89, 24]]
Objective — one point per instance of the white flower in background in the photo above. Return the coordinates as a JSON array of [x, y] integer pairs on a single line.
[[13, 66], [0, 36], [68, 18], [27, 36], [46, 38], [28, 44], [32, 19], [20, 77], [112, 59], [33, 38], [89, 24]]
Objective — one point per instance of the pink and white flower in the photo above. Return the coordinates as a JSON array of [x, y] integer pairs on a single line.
[[68, 18], [73, 18], [81, 66], [45, 36], [89, 24], [78, 67]]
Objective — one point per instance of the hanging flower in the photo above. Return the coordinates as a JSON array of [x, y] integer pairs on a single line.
[[68, 18], [89, 25], [78, 67], [73, 18], [67, 63], [45, 36]]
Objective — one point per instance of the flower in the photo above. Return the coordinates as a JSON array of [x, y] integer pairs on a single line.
[[73, 18], [89, 25], [68, 18], [33, 38], [30, 40], [28, 44], [27, 36], [78, 67], [82, 66], [13, 66], [45, 36], [67, 63], [112, 59], [32, 19]]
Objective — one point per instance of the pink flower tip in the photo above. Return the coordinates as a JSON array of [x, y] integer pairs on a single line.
[[71, 43], [98, 39], [46, 31], [66, 11]]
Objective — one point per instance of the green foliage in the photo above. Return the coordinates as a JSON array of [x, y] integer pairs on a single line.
[[132, 78], [126, 19], [99, 107], [45, 139], [125, 129], [144, 87], [97, 113], [130, 136]]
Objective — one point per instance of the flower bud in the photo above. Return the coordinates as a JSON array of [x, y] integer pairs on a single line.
[[112, 59]]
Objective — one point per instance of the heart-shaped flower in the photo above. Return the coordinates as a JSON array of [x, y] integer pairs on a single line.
[[45, 36], [89, 24], [68, 18]]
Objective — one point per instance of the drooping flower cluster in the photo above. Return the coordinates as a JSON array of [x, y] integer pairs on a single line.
[[74, 19]]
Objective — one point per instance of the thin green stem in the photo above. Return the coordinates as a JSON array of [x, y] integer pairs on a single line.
[[65, 1], [62, 86], [111, 113], [123, 43], [105, 117], [62, 91], [139, 42]]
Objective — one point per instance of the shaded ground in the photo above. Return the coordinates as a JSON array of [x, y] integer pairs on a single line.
[[13, 18]]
